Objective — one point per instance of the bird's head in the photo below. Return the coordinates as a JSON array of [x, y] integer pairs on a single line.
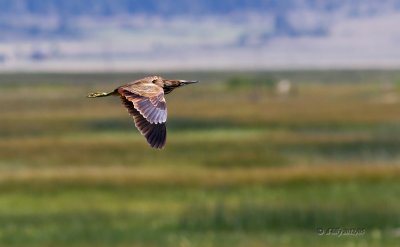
[[169, 85]]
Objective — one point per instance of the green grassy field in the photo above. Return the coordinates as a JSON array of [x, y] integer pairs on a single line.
[[243, 166]]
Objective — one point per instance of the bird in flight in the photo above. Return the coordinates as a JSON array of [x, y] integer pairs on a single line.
[[144, 99]]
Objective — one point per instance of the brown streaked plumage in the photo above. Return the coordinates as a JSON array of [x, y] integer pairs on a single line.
[[145, 102]]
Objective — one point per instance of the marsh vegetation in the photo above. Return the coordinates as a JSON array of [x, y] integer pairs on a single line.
[[237, 170]]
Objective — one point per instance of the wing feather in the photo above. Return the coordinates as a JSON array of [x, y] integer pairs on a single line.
[[152, 107], [155, 133]]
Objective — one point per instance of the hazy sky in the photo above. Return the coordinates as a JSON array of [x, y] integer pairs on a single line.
[[105, 37]]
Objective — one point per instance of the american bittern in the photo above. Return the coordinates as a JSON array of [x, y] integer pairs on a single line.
[[145, 102]]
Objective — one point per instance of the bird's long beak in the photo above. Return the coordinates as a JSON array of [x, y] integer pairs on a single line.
[[184, 82]]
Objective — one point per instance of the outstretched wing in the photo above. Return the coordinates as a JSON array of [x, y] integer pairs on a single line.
[[148, 99], [156, 134], [147, 106]]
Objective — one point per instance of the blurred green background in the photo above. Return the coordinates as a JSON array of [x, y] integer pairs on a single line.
[[252, 159]]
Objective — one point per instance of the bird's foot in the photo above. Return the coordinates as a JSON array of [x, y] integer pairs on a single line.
[[94, 95]]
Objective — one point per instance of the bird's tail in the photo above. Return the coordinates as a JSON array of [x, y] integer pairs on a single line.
[[100, 94]]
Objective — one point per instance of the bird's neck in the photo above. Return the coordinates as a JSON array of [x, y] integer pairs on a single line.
[[168, 89]]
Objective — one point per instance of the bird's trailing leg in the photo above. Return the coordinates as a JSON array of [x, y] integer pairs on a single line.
[[100, 94]]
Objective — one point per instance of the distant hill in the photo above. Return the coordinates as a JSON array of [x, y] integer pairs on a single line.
[[161, 7], [168, 8], [46, 18]]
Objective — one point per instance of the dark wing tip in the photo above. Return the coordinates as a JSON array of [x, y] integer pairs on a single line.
[[157, 135]]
